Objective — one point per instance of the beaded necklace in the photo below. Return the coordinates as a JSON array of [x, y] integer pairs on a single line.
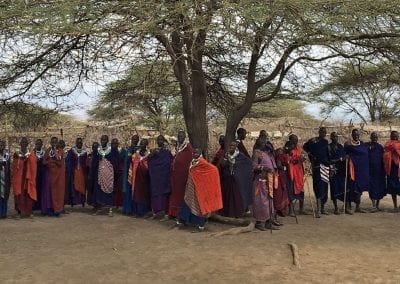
[[5, 157], [104, 151], [39, 154]]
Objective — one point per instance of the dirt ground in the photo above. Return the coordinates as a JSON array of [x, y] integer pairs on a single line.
[[80, 248]]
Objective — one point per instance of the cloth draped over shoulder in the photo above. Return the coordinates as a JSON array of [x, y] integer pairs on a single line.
[[126, 154], [160, 172], [281, 198], [391, 154], [141, 191], [76, 171], [207, 187], [56, 174], [179, 176], [106, 176], [296, 169], [266, 181], [218, 156], [242, 149], [337, 171], [318, 151], [24, 181], [266, 161], [138, 174], [135, 160], [243, 173], [377, 182], [358, 165]]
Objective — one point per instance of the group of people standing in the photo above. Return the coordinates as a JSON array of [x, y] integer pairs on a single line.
[[180, 184], [165, 183], [354, 168]]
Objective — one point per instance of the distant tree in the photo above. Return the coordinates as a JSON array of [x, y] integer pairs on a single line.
[[148, 94], [370, 91], [279, 108], [21, 116]]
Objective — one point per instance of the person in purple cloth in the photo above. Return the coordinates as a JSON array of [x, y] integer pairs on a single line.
[[264, 182], [358, 175], [46, 199], [76, 174], [159, 161]]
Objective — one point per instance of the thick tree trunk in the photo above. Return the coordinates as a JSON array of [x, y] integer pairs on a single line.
[[197, 125]]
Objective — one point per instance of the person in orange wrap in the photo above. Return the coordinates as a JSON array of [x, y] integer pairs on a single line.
[[203, 193], [24, 179], [294, 162], [391, 158], [54, 161]]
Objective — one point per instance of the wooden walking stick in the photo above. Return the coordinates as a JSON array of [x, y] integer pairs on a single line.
[[309, 197], [271, 213], [270, 194]]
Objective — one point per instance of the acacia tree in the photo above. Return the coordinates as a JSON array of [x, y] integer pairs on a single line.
[[22, 116], [363, 89], [240, 52], [147, 93]]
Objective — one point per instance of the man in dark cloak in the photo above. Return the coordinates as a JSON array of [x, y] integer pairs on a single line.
[[358, 175], [236, 172], [75, 163], [377, 179], [317, 150], [337, 173]]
